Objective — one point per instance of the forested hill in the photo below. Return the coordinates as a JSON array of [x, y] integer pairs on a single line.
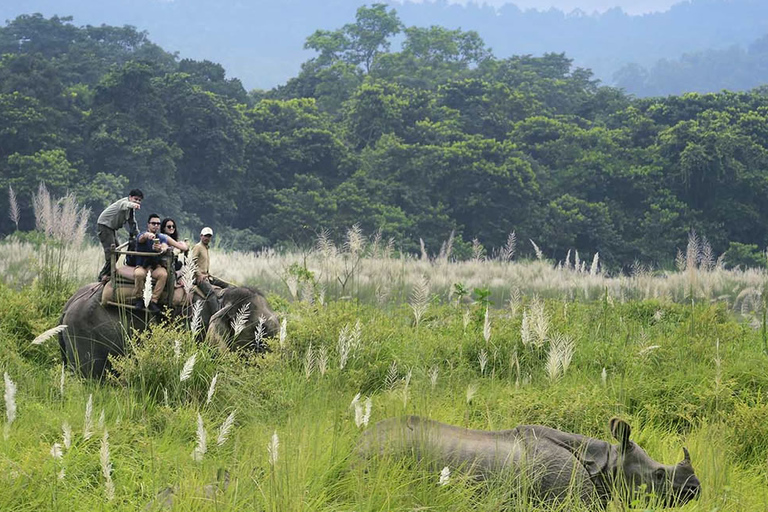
[[434, 137], [261, 42]]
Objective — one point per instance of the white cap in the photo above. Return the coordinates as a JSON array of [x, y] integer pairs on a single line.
[[206, 231]]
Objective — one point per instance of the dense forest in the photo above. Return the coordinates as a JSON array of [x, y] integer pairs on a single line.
[[261, 42], [436, 136]]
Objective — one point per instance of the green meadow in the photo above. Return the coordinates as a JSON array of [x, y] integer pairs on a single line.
[[486, 344]]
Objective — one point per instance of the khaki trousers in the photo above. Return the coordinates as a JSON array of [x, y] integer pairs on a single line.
[[159, 274]]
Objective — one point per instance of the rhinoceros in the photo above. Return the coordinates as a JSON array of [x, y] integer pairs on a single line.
[[554, 465]]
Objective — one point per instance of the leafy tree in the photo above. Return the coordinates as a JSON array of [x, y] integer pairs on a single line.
[[359, 43]]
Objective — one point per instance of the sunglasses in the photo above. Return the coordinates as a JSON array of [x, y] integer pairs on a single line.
[[154, 223], [170, 226]]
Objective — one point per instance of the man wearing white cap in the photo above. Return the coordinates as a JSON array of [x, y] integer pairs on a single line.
[[203, 260]]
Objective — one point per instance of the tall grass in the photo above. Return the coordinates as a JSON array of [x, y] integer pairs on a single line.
[[562, 345]]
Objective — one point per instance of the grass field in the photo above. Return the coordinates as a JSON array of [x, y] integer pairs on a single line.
[[680, 355]]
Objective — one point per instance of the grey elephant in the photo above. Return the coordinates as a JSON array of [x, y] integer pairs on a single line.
[[95, 331]]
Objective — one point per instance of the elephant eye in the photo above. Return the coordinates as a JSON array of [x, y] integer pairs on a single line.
[[660, 475]]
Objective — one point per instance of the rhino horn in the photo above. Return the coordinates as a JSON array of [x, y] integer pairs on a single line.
[[686, 456]]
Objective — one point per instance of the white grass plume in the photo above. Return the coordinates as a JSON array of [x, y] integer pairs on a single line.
[[465, 318], [362, 413], [322, 360], [197, 317], [445, 476], [478, 251], [344, 346], [102, 420], [355, 242], [66, 435], [358, 414], [355, 335], [188, 272], [367, 413], [10, 403], [106, 467], [561, 349], [508, 251], [539, 254], [189, 365], [224, 429], [433, 373], [540, 322], [391, 379], [41, 204], [406, 383], [515, 301], [324, 244], [176, 349], [283, 333], [483, 360], [273, 448], [211, 389], [88, 420], [420, 298], [241, 319], [50, 333], [61, 379], [13, 207], [487, 326], [526, 331], [594, 269], [260, 328], [56, 451], [424, 255], [471, 391], [147, 293], [447, 248], [309, 361], [201, 447]]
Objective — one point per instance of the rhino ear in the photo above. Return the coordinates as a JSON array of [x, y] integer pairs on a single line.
[[686, 456], [621, 431]]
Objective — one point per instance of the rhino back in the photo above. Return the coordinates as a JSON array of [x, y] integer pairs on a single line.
[[533, 456], [476, 451]]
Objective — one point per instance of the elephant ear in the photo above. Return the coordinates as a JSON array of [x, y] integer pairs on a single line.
[[621, 431], [217, 329]]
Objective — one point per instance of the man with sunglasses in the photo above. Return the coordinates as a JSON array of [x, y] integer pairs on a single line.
[[152, 240]]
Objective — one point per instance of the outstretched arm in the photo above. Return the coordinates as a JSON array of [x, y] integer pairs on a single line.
[[182, 246]]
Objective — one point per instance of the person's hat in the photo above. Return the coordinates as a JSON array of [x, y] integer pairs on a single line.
[[206, 231]]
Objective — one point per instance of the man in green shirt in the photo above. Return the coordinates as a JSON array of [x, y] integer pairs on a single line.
[[113, 217]]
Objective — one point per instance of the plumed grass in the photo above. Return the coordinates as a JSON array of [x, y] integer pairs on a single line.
[[682, 374]]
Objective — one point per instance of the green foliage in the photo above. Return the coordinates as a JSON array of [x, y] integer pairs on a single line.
[[153, 363], [744, 255], [431, 137]]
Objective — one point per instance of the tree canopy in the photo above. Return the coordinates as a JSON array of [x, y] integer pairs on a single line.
[[432, 137]]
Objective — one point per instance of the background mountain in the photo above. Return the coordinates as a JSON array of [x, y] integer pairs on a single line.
[[262, 42]]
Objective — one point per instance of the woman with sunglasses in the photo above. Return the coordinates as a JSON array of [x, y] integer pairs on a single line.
[[169, 228]]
